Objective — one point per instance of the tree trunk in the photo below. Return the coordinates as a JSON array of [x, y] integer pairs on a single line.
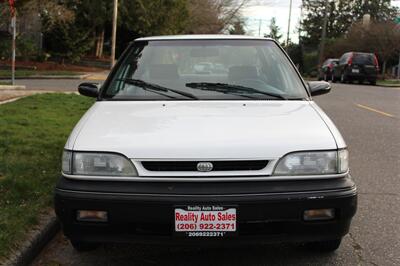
[[383, 69], [101, 45], [97, 38]]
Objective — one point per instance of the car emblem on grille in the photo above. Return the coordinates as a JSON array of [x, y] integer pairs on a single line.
[[204, 166]]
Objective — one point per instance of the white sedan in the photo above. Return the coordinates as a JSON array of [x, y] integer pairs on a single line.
[[170, 155]]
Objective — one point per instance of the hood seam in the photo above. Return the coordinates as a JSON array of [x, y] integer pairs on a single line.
[[326, 124]]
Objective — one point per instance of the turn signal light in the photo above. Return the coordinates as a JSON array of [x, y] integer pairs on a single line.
[[319, 214], [91, 216]]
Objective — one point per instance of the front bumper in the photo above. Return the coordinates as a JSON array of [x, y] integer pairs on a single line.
[[269, 211]]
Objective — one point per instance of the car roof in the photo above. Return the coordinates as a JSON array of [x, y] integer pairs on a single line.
[[201, 37], [361, 53]]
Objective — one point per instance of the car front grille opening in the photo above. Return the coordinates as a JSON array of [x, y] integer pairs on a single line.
[[191, 166]]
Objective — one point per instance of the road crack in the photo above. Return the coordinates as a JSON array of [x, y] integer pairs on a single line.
[[358, 250]]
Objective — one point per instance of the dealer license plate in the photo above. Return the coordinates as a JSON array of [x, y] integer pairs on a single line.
[[205, 221]]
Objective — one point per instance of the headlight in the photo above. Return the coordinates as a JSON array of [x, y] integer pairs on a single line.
[[313, 163], [97, 164]]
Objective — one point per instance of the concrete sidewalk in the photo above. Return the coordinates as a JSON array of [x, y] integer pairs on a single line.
[[98, 76], [11, 95], [55, 84], [59, 83], [26, 87]]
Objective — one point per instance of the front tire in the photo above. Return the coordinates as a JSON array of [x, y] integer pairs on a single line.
[[82, 246], [372, 82], [325, 246]]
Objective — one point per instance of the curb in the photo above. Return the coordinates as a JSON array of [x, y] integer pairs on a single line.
[[96, 77], [10, 100], [39, 237], [12, 87], [388, 86], [51, 77]]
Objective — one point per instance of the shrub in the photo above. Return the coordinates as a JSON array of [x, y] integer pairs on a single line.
[[26, 48]]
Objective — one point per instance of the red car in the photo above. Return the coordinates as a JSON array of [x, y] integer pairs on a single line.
[[326, 70]]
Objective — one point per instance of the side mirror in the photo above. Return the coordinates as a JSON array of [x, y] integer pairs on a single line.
[[319, 87], [89, 89]]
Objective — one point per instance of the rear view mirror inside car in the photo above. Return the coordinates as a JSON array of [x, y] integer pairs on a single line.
[[204, 52]]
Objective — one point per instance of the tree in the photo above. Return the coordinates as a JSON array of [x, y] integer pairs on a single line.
[[66, 41], [384, 39], [74, 27], [54, 11], [94, 16], [295, 53], [341, 15], [237, 28], [381, 38], [380, 10], [154, 17], [213, 16], [274, 31]]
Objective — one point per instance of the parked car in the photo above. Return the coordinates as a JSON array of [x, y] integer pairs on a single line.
[[169, 156], [356, 66], [325, 71]]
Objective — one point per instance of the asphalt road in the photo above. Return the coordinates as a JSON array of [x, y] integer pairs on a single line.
[[369, 119]]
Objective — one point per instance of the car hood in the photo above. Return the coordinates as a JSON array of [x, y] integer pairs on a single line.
[[201, 129]]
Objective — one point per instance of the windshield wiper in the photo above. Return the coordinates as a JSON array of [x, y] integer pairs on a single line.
[[230, 88], [147, 85]]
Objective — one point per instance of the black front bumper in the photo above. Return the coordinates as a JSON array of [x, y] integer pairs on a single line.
[[268, 211]]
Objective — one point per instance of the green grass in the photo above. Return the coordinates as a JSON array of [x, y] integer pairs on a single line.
[[30, 73], [389, 82], [33, 131]]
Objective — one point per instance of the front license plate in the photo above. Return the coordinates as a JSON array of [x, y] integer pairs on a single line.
[[355, 70], [205, 221]]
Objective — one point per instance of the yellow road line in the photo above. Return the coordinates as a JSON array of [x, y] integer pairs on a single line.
[[374, 110]]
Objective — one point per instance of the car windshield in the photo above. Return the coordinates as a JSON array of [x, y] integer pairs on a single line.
[[204, 70]]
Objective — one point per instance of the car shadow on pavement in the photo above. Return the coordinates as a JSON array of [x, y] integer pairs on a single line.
[[60, 252], [243, 255]]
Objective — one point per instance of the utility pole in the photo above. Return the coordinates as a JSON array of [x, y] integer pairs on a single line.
[[14, 33], [301, 18], [397, 21], [301, 63], [288, 29], [114, 33], [322, 45]]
